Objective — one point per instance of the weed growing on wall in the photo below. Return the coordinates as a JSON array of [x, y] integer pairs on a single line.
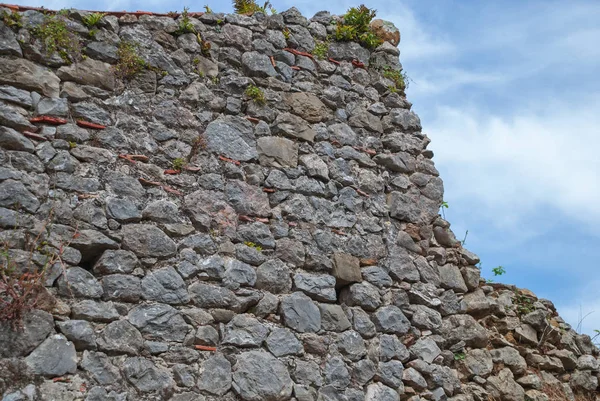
[[130, 63], [256, 94], [249, 7], [12, 19], [185, 23], [321, 50], [56, 37], [93, 19], [399, 77], [355, 27]]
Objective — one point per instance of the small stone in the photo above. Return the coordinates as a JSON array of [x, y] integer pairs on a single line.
[[333, 318], [259, 376], [147, 377], [54, 357], [94, 311], [300, 313], [165, 285], [120, 337], [391, 320], [80, 332], [346, 269], [282, 342], [80, 283], [147, 241], [245, 331], [216, 375]]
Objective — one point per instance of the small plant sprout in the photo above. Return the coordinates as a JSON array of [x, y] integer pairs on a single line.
[[355, 27], [207, 9], [399, 77], [179, 163], [256, 94], [130, 63], [443, 206], [498, 271], [56, 37], [12, 19], [321, 50], [249, 7], [459, 356], [185, 23], [465, 238], [286, 33], [253, 245], [91, 20]]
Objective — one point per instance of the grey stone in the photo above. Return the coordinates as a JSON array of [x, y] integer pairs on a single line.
[[24, 74], [315, 166], [511, 358], [300, 313], [392, 373], [165, 285], [120, 337], [12, 140], [92, 243], [80, 333], [293, 127], [452, 278], [391, 348], [36, 326], [365, 295], [77, 282], [115, 261], [147, 241], [426, 318], [349, 51], [54, 357], [89, 72], [336, 373], [257, 65], [307, 106], [333, 318], [231, 138], [381, 392], [245, 331], [102, 51], [17, 96], [464, 328], [123, 210], [247, 199], [351, 345], [258, 376], [8, 42], [238, 274], [159, 322], [91, 112], [277, 152], [14, 193], [478, 362], [425, 349], [99, 367], [94, 311], [147, 377], [122, 287], [273, 276], [391, 320], [183, 375], [208, 296], [282, 342], [161, 211], [216, 375], [318, 287], [504, 387]]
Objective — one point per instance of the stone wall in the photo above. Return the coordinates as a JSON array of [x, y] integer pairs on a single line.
[[204, 246]]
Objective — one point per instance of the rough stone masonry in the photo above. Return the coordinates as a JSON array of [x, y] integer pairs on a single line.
[[295, 253]]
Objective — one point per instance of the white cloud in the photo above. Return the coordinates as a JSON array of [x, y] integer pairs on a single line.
[[512, 166], [583, 310]]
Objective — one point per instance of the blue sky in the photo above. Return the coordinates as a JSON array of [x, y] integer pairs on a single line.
[[510, 95]]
